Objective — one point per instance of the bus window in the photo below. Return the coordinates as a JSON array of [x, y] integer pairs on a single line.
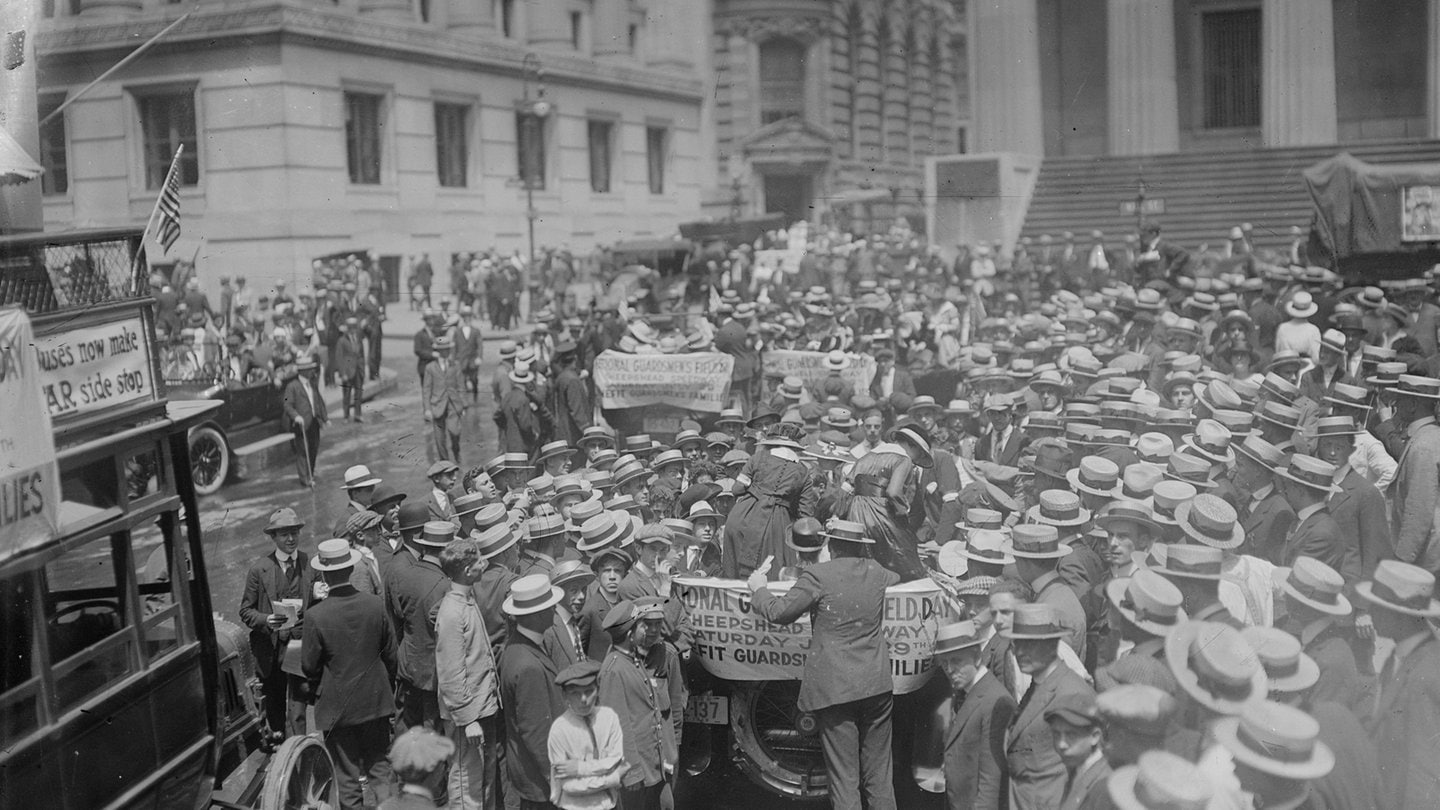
[[19, 678], [163, 571], [144, 472], [88, 618], [87, 491]]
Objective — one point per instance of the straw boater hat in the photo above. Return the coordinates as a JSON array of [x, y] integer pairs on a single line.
[[468, 503], [1316, 585], [283, 518], [553, 449], [1412, 385], [1035, 542], [837, 361], [1190, 469], [495, 540], [987, 546], [1211, 440], [437, 534], [1186, 561], [1387, 375], [1401, 588], [1159, 780], [730, 416], [359, 476], [957, 636], [1348, 396], [1147, 600], [531, 594], [1097, 476], [1124, 510], [1211, 521], [1036, 621], [846, 530], [1215, 666], [334, 555], [1301, 305], [1278, 740], [1287, 667], [1311, 472]]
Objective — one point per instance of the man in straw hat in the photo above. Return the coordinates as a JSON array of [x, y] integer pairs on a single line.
[[524, 419], [1037, 551], [1037, 772], [1277, 751], [1143, 610], [1317, 613], [348, 654], [1308, 483], [1265, 516], [1159, 780], [412, 593], [846, 683], [279, 580], [1402, 603], [974, 764], [528, 691], [442, 395], [1417, 482]]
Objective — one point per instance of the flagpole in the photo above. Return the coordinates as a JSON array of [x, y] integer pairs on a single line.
[[174, 164]]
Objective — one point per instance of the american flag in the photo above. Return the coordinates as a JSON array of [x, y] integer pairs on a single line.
[[169, 207]]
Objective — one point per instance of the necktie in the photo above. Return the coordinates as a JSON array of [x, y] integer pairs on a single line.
[[1029, 693], [289, 567]]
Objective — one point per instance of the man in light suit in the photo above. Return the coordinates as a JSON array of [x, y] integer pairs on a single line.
[[348, 654], [305, 414], [442, 396], [975, 773], [846, 681], [1037, 774]]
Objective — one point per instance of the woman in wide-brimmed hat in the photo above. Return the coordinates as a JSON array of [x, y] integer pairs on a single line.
[[776, 489]]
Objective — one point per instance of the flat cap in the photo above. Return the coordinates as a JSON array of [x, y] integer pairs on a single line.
[[1077, 709], [584, 673], [420, 750], [1139, 707]]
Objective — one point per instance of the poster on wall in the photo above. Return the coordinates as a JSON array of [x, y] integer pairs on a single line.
[[1421, 219]]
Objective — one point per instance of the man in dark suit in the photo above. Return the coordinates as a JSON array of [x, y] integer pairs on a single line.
[[348, 655], [282, 574], [889, 379], [846, 682], [1005, 440], [305, 414], [1159, 259], [413, 593], [469, 350], [733, 338], [1265, 515], [350, 366], [1037, 774], [1307, 482], [975, 773], [1317, 383], [442, 397], [1402, 599], [1358, 508], [528, 692], [570, 397]]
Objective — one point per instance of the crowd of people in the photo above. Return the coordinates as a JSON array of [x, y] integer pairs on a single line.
[[1182, 506]]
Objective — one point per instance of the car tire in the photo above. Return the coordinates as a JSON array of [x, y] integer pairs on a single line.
[[209, 459]]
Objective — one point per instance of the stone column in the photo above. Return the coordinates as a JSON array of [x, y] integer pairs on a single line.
[[922, 136], [1433, 67], [943, 91], [1297, 92], [470, 16], [896, 125], [867, 88], [1144, 106], [1006, 53], [547, 24]]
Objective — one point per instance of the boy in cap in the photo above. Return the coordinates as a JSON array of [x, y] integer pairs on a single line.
[[348, 655], [1078, 737], [651, 576], [466, 680], [587, 752], [416, 755], [282, 575], [975, 773], [630, 683], [442, 476]]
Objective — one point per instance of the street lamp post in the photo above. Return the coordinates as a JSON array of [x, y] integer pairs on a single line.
[[535, 111]]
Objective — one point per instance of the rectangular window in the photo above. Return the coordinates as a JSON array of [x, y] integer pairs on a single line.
[[575, 29], [167, 122], [56, 179], [92, 636], [655, 143], [452, 144], [507, 17], [1230, 64], [362, 137], [632, 38], [600, 134], [530, 143]]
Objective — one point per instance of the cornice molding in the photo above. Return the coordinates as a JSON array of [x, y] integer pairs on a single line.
[[61, 37]]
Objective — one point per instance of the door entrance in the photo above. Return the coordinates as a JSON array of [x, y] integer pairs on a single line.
[[788, 194]]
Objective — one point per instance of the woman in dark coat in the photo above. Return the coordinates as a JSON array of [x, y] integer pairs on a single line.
[[884, 486], [775, 491]]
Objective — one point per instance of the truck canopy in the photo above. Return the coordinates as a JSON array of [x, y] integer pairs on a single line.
[[1359, 206]]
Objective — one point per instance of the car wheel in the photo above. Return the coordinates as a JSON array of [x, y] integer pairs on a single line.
[[209, 459], [778, 745]]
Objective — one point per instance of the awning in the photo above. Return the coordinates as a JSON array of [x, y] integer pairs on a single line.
[[15, 165], [850, 196]]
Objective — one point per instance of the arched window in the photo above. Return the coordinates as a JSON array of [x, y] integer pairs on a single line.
[[782, 79]]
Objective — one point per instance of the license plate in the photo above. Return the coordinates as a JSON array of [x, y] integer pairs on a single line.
[[712, 710]]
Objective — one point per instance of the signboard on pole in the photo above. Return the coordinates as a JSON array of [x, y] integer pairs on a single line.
[[29, 474], [734, 643], [95, 367]]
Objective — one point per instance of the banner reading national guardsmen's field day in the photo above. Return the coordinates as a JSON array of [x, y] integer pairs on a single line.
[[735, 644], [810, 367], [29, 475], [699, 381]]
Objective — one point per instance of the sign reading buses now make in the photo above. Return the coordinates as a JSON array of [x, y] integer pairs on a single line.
[[95, 367], [29, 475]]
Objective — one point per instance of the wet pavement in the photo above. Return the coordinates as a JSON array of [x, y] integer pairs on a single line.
[[393, 441]]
